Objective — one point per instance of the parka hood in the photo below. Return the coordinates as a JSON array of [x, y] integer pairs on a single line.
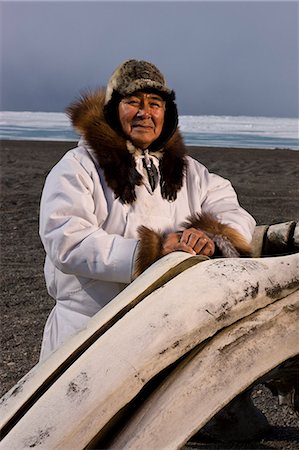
[[111, 150]]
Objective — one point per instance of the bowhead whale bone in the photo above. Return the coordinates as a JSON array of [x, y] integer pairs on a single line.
[[29, 388], [163, 327], [276, 239], [210, 377]]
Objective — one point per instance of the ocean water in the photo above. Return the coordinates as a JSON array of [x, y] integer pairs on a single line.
[[214, 131]]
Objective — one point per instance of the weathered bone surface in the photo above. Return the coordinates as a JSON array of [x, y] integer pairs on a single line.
[[258, 239], [41, 376], [161, 328], [277, 239], [206, 380], [280, 233]]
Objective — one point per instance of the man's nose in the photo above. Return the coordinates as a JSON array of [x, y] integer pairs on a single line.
[[144, 110]]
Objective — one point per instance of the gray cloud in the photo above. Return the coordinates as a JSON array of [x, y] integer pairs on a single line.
[[232, 58]]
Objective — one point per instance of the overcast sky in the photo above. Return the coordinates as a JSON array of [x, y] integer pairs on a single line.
[[222, 58]]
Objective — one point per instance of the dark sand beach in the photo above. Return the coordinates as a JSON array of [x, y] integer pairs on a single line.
[[267, 184]]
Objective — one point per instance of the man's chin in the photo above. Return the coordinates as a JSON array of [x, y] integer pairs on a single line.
[[142, 139]]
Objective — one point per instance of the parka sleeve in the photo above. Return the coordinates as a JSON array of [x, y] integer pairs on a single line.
[[219, 198], [72, 233]]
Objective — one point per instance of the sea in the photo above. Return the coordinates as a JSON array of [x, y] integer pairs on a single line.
[[210, 131]]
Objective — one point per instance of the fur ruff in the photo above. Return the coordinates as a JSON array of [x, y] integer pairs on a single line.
[[111, 151], [229, 242]]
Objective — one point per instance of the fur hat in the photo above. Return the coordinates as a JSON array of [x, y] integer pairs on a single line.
[[132, 76]]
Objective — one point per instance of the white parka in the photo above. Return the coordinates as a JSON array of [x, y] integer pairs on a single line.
[[90, 237]]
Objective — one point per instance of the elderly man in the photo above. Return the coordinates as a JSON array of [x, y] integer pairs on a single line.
[[104, 201]]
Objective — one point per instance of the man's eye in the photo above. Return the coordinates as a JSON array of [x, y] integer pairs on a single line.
[[156, 106], [133, 102]]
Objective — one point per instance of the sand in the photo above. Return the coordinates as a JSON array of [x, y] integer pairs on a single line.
[[267, 185]]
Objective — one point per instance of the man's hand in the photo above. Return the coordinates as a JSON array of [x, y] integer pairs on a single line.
[[191, 241]]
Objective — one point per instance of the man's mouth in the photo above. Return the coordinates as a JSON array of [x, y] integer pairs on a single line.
[[142, 125]]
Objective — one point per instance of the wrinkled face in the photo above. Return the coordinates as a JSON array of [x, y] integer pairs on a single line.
[[142, 117]]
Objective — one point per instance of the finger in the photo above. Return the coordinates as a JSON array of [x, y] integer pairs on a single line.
[[191, 235], [181, 246], [208, 249], [195, 241], [201, 244]]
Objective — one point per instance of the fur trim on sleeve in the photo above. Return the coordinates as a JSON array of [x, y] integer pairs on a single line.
[[149, 249], [229, 241]]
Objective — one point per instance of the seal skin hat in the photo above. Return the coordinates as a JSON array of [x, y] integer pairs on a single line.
[[132, 76]]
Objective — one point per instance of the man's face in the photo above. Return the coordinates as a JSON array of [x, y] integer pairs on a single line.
[[142, 117]]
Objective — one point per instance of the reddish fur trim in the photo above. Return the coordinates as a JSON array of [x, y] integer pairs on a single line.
[[209, 224], [149, 249]]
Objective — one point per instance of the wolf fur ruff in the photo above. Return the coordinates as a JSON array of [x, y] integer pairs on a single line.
[[229, 242], [111, 150]]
